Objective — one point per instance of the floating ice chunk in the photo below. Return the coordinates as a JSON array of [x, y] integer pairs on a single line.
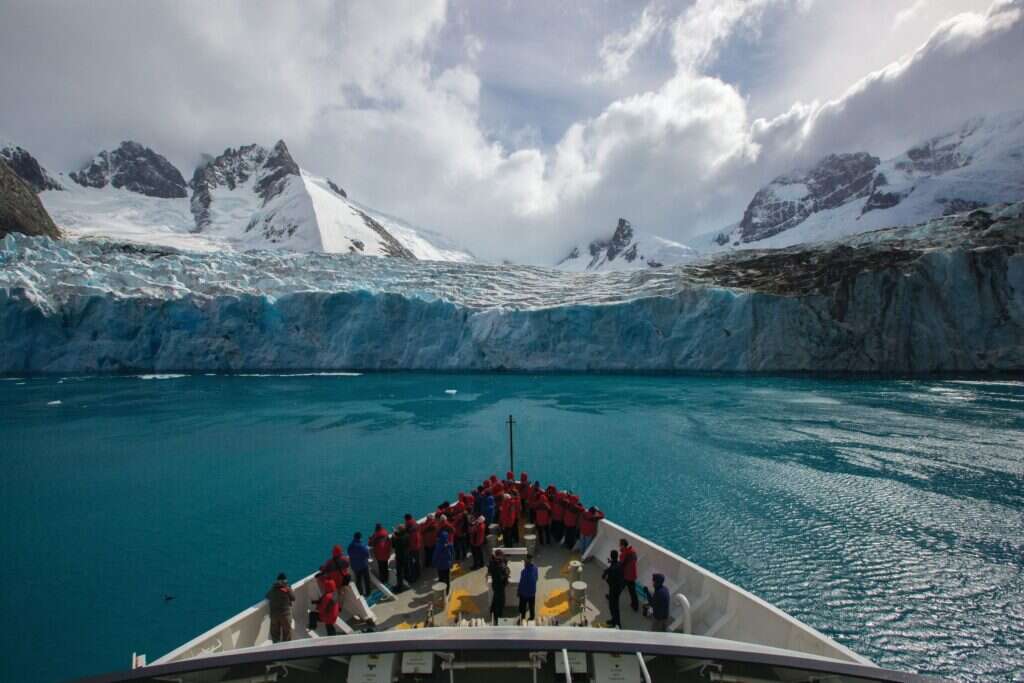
[[53, 403], [164, 376], [451, 392]]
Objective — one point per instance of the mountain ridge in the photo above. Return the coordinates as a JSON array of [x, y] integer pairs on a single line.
[[249, 197], [978, 163]]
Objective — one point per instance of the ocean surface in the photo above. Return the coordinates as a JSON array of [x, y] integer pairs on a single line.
[[888, 514]]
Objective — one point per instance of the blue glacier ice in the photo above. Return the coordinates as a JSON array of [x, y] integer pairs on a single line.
[[944, 296]]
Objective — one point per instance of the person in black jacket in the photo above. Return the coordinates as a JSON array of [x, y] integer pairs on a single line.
[[616, 583], [499, 573], [401, 543]]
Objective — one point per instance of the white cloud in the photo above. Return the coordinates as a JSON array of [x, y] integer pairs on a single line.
[[360, 93], [617, 49], [908, 12]]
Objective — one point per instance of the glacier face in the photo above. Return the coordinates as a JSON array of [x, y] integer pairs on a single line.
[[945, 296]]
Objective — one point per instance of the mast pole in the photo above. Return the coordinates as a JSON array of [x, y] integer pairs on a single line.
[[511, 449]]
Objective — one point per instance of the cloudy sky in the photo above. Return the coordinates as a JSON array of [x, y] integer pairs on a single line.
[[516, 128]]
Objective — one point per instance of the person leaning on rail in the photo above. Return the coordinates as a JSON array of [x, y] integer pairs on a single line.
[[280, 597]]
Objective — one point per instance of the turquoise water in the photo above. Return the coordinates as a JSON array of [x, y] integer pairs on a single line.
[[888, 514]]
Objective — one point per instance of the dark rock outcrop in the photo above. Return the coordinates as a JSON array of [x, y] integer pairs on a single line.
[[28, 169], [392, 247], [20, 208], [337, 190], [788, 200], [135, 168], [940, 154], [956, 205]]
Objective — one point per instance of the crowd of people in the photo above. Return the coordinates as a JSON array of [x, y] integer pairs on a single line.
[[450, 534]]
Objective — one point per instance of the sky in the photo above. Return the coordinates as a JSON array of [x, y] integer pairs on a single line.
[[517, 129]]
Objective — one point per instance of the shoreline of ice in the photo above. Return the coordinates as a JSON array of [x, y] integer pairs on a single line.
[[944, 297]]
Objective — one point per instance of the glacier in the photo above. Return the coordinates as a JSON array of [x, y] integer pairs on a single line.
[[947, 295]]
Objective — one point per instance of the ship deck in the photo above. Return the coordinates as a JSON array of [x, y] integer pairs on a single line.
[[470, 596]]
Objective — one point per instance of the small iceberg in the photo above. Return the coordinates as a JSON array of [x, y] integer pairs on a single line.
[[168, 376], [53, 403], [451, 392]]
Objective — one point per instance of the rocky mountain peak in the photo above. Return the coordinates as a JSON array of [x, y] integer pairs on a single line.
[[277, 167], [27, 168], [618, 243], [790, 199], [135, 168], [271, 169]]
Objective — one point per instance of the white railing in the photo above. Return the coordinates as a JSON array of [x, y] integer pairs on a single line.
[[712, 606], [251, 627]]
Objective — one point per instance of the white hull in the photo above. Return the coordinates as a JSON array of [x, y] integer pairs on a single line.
[[703, 604]]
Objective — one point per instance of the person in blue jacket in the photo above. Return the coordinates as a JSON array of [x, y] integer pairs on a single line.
[[359, 560], [442, 560], [528, 590], [489, 508], [659, 601]]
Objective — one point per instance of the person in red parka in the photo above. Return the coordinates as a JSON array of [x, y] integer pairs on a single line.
[[380, 544], [335, 569], [588, 527], [557, 510], [573, 511], [628, 559], [428, 535], [531, 500], [412, 527], [328, 608], [507, 516], [524, 490], [542, 517], [571, 518], [477, 538]]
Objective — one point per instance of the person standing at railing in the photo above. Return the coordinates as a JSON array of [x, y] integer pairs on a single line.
[[628, 559], [381, 544], [400, 541], [280, 597], [613, 576], [412, 528], [328, 608], [588, 527], [359, 559], [659, 601], [428, 531]]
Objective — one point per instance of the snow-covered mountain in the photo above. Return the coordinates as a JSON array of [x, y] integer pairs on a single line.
[[250, 197], [626, 249], [980, 163]]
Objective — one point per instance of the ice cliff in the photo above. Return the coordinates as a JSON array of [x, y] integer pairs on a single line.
[[947, 295]]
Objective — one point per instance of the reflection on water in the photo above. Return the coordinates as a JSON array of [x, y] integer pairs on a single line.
[[889, 514]]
